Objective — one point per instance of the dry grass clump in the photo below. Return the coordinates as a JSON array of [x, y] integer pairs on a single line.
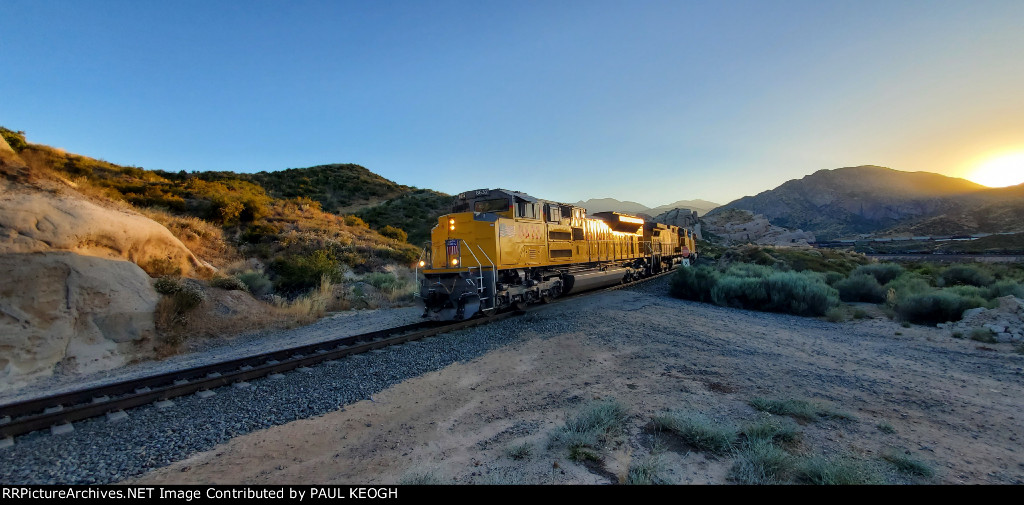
[[584, 433], [698, 430]]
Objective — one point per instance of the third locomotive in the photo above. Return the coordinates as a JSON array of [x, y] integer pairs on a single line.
[[499, 249]]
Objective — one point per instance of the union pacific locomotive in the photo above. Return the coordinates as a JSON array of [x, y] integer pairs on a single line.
[[499, 249]]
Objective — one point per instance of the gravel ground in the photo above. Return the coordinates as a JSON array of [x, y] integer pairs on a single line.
[[953, 403], [336, 325]]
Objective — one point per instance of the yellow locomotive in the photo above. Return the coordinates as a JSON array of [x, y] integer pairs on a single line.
[[501, 248]]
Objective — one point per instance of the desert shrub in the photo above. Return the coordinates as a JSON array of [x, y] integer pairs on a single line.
[[740, 292], [229, 283], [256, 232], [1004, 288], [390, 285], [860, 287], [908, 284], [882, 272], [299, 273], [14, 139], [831, 278], [983, 335], [355, 221], [835, 315], [800, 293], [935, 307], [698, 430], [694, 283], [395, 233], [257, 282], [757, 287], [166, 285], [966, 274]]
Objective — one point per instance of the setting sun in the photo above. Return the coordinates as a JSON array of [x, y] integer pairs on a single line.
[[1005, 170]]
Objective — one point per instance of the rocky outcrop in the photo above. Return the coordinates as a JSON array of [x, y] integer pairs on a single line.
[[683, 218], [33, 221], [743, 227], [76, 292], [79, 312], [1005, 322]]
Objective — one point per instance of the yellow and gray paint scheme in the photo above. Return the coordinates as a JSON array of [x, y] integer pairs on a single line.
[[501, 248]]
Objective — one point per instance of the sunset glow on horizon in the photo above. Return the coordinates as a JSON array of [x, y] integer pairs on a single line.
[[999, 171]]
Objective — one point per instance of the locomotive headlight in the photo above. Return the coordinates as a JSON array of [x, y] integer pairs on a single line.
[[455, 261], [451, 224], [423, 263]]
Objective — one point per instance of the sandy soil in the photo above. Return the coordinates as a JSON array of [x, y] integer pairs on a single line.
[[954, 404]]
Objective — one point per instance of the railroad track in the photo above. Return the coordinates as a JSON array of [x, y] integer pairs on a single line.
[[58, 411]]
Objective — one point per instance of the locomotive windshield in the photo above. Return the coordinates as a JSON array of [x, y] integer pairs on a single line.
[[494, 205]]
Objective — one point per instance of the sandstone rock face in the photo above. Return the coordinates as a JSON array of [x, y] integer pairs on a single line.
[[83, 313], [74, 289], [41, 221], [742, 227], [683, 218]]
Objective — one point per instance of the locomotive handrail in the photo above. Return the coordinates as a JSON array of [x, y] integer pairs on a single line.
[[494, 277], [479, 265]]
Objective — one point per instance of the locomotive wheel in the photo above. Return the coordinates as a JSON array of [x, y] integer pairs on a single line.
[[519, 306]]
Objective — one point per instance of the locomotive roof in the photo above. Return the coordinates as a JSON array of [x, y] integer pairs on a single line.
[[494, 192]]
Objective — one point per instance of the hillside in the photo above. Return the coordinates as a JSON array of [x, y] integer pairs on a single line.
[[594, 205], [110, 264], [872, 200]]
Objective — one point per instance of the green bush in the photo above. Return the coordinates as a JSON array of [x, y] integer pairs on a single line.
[[257, 282], [831, 278], [14, 139], [906, 285], [882, 272], [966, 274], [935, 307], [229, 283], [395, 233], [694, 283], [983, 335], [1004, 288], [860, 287], [297, 273], [757, 287], [800, 293]]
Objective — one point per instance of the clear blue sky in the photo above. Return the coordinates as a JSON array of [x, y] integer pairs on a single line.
[[641, 100]]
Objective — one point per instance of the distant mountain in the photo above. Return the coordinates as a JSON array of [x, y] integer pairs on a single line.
[[627, 207], [877, 200], [595, 205], [701, 206]]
